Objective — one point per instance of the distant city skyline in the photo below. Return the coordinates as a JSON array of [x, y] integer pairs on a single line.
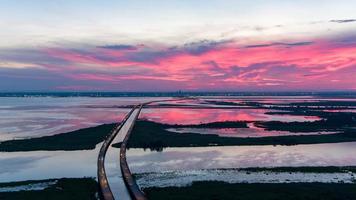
[[188, 45]]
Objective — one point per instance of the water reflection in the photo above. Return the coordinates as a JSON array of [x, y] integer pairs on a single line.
[[29, 117], [37, 165], [276, 99], [195, 158], [251, 131], [35, 123], [33, 117], [196, 116]]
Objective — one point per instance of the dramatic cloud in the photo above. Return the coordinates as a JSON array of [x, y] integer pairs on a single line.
[[178, 45], [202, 65], [279, 44], [118, 47], [343, 20]]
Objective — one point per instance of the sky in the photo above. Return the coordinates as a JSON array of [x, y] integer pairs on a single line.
[[170, 45]]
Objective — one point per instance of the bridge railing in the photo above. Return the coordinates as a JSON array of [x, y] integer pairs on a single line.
[[104, 186], [132, 187]]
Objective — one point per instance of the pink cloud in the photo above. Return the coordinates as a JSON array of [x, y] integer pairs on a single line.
[[215, 65]]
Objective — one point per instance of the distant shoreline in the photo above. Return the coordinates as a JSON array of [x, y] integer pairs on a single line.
[[175, 94]]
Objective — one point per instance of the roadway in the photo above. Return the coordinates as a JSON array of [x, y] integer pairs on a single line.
[[114, 176], [109, 169]]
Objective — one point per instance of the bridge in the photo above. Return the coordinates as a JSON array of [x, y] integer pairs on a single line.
[[119, 184]]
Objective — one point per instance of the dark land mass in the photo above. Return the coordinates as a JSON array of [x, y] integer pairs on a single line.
[[316, 105], [214, 125], [244, 103], [147, 134], [166, 105], [244, 191], [322, 104], [300, 127], [65, 188], [310, 112], [82, 139], [331, 121], [221, 103], [305, 169], [346, 94], [301, 169], [152, 135], [23, 183], [325, 103]]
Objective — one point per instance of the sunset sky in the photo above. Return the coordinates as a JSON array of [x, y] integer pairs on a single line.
[[169, 45]]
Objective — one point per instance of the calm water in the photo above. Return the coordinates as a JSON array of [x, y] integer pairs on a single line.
[[39, 116], [16, 166], [278, 99], [195, 158], [252, 131], [33, 117], [197, 116], [37, 165]]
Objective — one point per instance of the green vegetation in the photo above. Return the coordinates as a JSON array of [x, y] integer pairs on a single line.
[[243, 191], [65, 188], [81, 139], [148, 134]]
